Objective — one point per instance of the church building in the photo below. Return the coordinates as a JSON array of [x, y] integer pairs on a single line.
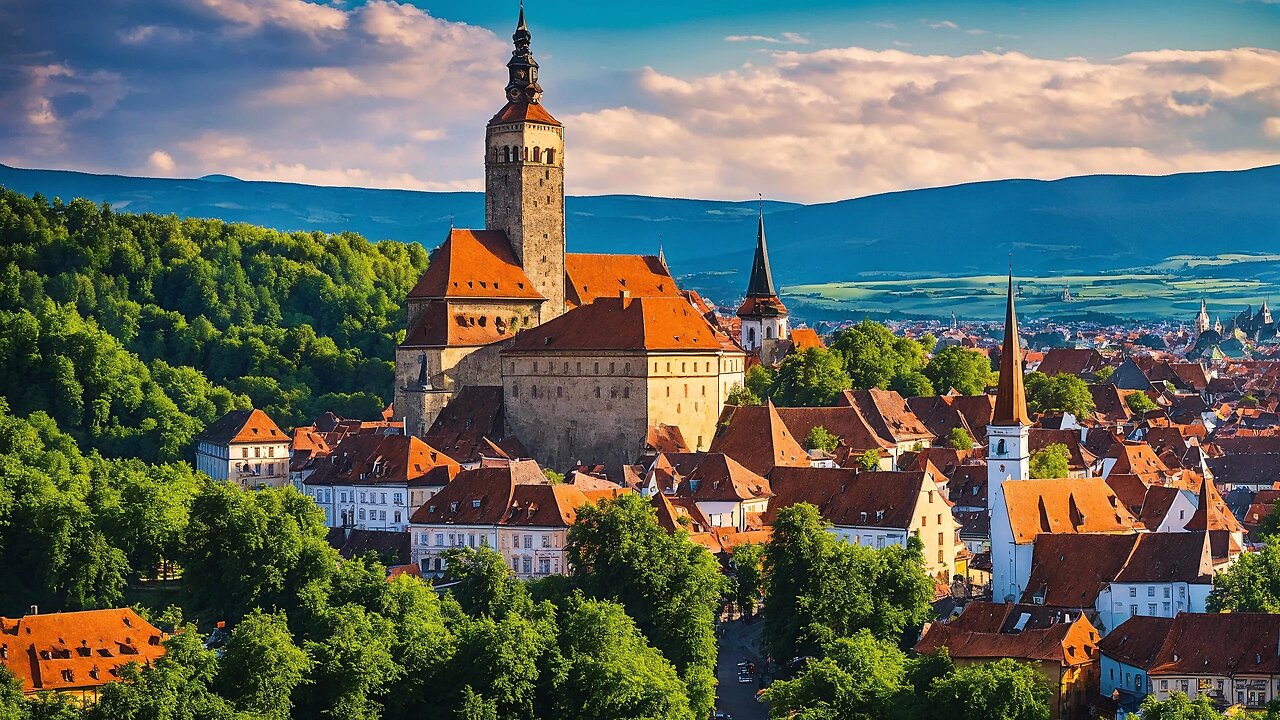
[[763, 316], [606, 323]]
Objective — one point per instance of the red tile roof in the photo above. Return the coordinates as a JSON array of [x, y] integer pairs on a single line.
[[805, 338], [1220, 644], [381, 460], [1085, 505], [643, 323], [475, 264], [992, 634], [243, 426], [756, 436], [515, 493], [514, 112], [713, 476], [888, 414], [590, 276], [76, 650], [442, 323]]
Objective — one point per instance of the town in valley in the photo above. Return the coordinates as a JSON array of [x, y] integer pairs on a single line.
[[260, 473]]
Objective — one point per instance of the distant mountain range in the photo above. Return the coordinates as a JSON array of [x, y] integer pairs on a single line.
[[1082, 225]]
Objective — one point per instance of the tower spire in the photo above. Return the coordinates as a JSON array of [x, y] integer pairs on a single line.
[[761, 284], [522, 69], [1011, 399]]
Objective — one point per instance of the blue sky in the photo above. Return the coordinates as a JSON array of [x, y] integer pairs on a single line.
[[805, 101]]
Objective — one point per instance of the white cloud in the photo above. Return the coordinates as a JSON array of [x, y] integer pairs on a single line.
[[831, 124], [943, 25], [1271, 126], [786, 38], [161, 162]]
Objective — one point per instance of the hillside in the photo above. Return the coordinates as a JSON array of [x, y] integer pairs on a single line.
[[1083, 225]]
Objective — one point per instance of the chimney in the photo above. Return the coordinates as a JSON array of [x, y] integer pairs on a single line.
[[35, 610], [625, 297]]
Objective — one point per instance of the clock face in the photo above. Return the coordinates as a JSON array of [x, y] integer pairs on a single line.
[[514, 94]]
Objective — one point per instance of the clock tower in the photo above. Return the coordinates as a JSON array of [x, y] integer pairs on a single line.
[[524, 177]]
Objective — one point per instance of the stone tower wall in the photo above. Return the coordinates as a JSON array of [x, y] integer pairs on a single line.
[[524, 197]]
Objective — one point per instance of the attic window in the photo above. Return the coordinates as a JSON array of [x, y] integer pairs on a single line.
[[431, 508], [453, 506], [475, 503]]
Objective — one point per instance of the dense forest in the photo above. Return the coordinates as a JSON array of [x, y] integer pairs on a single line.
[[133, 332]]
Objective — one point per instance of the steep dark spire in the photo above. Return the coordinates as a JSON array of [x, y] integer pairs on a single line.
[[761, 284], [1011, 399], [522, 69]]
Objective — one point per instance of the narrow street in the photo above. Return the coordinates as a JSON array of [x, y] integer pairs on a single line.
[[740, 641]]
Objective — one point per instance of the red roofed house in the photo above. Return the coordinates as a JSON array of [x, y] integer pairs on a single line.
[[375, 482], [1233, 658], [728, 494], [76, 652], [875, 509], [1063, 646], [510, 507], [245, 447], [484, 286]]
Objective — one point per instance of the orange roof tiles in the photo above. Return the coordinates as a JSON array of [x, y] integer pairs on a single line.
[[757, 437], [514, 112], [383, 459], [805, 338], [475, 264], [1084, 505], [887, 413], [243, 426], [643, 323], [76, 650], [515, 493], [989, 631], [589, 277]]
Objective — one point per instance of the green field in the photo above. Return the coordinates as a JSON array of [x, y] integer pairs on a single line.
[[1137, 295]]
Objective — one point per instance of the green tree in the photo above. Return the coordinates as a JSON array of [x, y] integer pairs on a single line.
[[739, 395], [1051, 461], [748, 572], [178, 685], [812, 378], [671, 587], [262, 666], [1060, 393], [1105, 373], [353, 668], [611, 671], [12, 703], [1005, 689], [1179, 707], [484, 585], [1251, 584], [911, 383], [968, 371], [873, 356], [819, 438], [857, 678], [960, 439], [818, 589], [869, 460], [759, 381], [254, 549], [1139, 403]]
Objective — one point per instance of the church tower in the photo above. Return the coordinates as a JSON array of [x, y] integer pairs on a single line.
[[1008, 456], [1202, 320], [524, 177], [764, 317]]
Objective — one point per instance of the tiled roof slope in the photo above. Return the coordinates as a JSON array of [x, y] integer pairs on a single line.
[[756, 436], [616, 323], [1085, 505], [475, 264], [243, 426], [590, 276], [74, 650], [383, 459]]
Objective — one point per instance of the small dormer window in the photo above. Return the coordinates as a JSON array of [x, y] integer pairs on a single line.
[[475, 503], [453, 506]]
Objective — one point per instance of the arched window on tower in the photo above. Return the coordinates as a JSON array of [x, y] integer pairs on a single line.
[[506, 153], [751, 336], [537, 154], [551, 156], [1001, 449], [526, 154], [768, 333]]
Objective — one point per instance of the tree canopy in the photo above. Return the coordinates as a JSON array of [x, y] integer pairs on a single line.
[[1251, 584], [1139, 403], [967, 371], [873, 356], [1060, 393], [1051, 461], [811, 378]]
